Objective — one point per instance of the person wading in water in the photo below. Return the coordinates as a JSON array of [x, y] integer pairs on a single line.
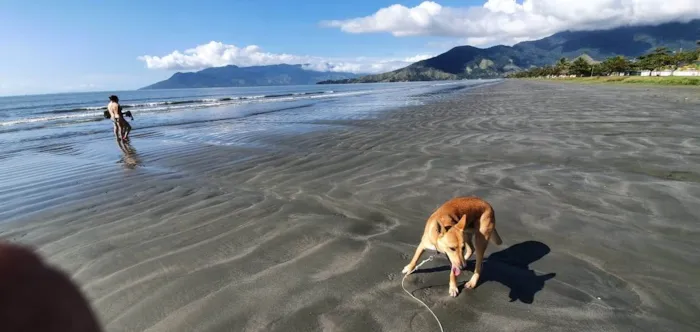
[[121, 127]]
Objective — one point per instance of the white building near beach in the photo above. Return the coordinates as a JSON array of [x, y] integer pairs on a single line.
[[683, 73]]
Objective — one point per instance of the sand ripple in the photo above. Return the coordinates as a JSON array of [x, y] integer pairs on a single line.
[[596, 191]]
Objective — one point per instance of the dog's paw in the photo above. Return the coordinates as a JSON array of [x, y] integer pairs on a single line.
[[454, 290], [472, 283], [407, 269]]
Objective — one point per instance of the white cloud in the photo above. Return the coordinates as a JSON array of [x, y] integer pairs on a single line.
[[217, 54], [510, 21]]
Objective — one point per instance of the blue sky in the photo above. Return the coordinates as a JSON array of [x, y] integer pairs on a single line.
[[52, 46]]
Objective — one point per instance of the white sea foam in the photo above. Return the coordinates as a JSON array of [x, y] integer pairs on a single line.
[[80, 114]]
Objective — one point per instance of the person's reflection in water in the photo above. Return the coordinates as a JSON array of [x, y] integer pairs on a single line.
[[130, 158]]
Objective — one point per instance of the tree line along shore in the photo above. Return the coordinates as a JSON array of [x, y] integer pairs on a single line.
[[659, 66]]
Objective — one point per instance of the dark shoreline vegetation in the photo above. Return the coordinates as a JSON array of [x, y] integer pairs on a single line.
[[660, 59], [653, 80]]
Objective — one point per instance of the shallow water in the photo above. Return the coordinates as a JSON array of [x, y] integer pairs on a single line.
[[50, 117]]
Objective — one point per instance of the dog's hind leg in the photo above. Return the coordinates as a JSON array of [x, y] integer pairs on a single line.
[[469, 245], [412, 265], [492, 234], [481, 239], [495, 238]]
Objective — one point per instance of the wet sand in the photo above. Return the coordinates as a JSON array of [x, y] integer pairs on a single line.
[[596, 191]]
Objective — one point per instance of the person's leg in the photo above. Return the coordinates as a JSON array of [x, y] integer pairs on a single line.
[[117, 130]]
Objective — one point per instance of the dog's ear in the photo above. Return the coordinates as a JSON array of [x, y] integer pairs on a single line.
[[442, 229], [462, 222]]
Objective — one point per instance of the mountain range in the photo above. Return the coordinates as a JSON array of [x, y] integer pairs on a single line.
[[232, 76], [467, 62], [462, 62]]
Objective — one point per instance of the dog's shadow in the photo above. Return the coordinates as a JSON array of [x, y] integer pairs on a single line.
[[510, 267]]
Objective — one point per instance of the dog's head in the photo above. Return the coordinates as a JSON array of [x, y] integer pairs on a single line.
[[451, 242]]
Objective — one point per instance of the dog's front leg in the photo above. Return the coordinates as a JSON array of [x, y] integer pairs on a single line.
[[412, 265], [453, 285]]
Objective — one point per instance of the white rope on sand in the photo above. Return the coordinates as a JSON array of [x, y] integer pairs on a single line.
[[411, 295]]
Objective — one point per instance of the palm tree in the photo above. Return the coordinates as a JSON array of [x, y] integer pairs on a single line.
[[562, 66]]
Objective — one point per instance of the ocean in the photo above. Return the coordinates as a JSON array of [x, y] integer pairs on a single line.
[[208, 115]]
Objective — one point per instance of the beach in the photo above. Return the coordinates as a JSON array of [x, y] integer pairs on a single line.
[[595, 189]]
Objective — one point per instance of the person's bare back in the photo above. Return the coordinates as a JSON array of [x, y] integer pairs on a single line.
[[113, 108]]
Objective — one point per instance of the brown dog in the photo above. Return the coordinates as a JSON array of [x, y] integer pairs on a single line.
[[444, 232]]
